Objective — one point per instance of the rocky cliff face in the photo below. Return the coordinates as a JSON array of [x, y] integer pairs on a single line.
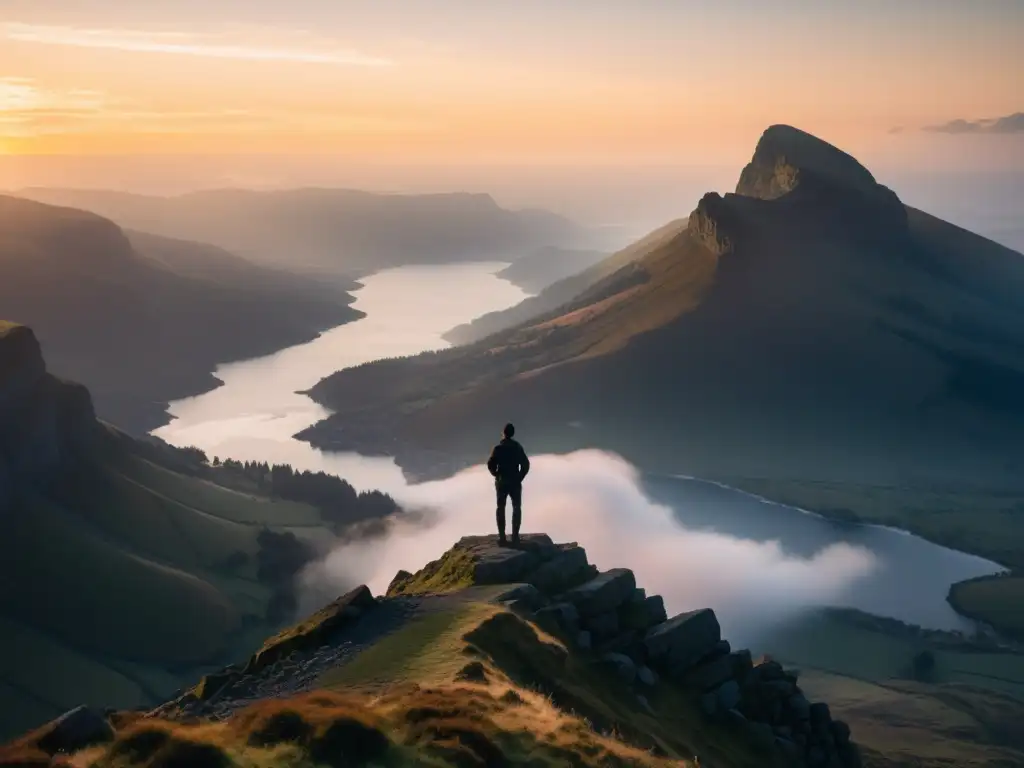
[[43, 420], [788, 161]]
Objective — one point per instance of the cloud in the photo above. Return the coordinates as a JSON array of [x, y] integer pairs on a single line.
[[595, 498], [896, 129], [228, 45], [28, 109], [1009, 124]]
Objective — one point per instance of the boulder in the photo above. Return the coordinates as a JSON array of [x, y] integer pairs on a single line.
[[820, 716], [525, 596], [800, 707], [742, 664], [602, 626], [212, 684], [559, 617], [583, 640], [643, 614], [76, 729], [760, 735], [683, 640], [396, 583], [707, 675], [727, 695], [850, 755], [603, 593], [788, 748], [646, 675], [638, 596], [841, 733], [629, 643], [566, 569], [624, 667]]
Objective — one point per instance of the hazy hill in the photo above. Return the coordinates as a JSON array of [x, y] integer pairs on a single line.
[[142, 319], [538, 270], [807, 326], [561, 291], [344, 230], [124, 571]]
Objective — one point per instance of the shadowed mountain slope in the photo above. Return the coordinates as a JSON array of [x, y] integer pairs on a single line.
[[141, 319], [808, 325], [125, 568]]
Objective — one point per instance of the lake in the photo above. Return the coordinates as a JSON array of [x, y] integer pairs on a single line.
[[254, 414]]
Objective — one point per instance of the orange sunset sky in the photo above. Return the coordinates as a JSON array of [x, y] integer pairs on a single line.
[[453, 81]]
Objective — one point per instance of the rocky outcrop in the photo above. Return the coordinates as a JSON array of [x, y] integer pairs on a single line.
[[627, 633], [710, 224], [790, 162], [43, 420]]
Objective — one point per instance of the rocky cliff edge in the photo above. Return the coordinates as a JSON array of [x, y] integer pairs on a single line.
[[488, 656]]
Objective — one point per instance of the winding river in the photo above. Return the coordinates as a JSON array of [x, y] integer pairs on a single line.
[[254, 414]]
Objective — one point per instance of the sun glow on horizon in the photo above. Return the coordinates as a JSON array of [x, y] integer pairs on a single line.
[[619, 82]]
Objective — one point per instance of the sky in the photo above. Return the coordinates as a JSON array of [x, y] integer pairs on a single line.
[[461, 83]]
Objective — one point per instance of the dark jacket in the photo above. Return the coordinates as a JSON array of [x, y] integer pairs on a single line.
[[508, 463]]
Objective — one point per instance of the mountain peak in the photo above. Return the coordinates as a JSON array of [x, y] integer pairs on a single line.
[[786, 155]]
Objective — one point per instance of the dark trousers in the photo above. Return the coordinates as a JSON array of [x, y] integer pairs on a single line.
[[515, 492]]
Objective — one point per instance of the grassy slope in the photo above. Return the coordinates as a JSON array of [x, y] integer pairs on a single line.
[[565, 290], [826, 642], [901, 723], [131, 571]]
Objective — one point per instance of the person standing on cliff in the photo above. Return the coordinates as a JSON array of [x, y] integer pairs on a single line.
[[508, 466]]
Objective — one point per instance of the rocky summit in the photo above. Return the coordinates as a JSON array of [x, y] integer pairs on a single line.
[[489, 656]]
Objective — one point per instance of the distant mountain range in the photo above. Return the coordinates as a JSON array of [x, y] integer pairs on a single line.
[[341, 230], [808, 325], [142, 319]]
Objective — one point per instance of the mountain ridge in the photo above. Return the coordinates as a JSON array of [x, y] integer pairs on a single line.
[[142, 320], [769, 317], [341, 231]]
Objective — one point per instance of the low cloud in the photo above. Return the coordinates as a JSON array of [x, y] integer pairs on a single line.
[[595, 498], [1009, 124], [231, 44]]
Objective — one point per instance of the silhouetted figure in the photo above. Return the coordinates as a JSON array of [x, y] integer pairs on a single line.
[[509, 465]]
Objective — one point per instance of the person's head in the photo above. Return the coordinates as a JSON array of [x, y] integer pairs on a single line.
[[508, 431]]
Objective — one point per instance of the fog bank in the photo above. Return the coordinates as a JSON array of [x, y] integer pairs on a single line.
[[595, 498]]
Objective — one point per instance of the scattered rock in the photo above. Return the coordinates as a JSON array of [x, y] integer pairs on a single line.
[[76, 729], [605, 592]]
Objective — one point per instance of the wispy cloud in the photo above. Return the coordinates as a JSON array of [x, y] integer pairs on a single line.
[[1009, 124], [227, 45], [28, 109]]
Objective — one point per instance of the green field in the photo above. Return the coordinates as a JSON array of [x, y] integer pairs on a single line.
[[825, 642], [996, 600]]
